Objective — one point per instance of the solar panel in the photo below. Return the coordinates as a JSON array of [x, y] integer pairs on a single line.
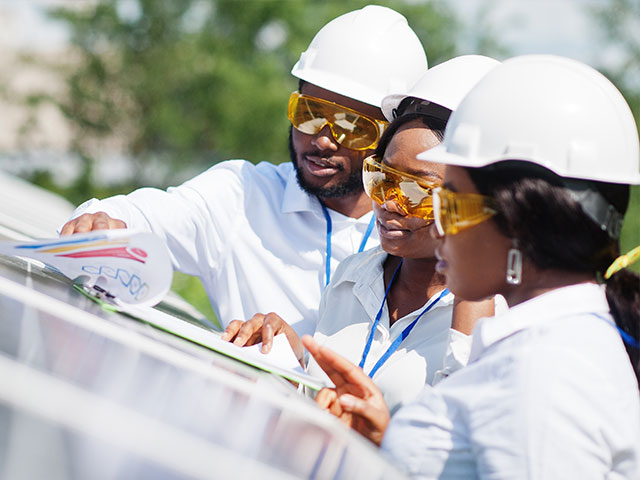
[[87, 393]]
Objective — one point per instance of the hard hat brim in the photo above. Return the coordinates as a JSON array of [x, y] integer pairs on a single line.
[[439, 154]]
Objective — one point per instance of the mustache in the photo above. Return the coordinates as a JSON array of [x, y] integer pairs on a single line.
[[293, 154]]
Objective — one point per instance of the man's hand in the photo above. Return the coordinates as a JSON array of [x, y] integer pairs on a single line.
[[355, 400], [92, 221], [262, 328]]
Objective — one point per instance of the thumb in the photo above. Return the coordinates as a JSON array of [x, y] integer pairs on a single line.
[[351, 403], [377, 417]]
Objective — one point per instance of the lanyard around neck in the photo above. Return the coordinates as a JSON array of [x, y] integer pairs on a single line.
[[365, 237], [405, 333], [626, 338]]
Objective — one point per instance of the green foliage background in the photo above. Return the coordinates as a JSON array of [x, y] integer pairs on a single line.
[[190, 83], [185, 84]]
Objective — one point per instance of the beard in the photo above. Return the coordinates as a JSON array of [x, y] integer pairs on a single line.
[[350, 186]]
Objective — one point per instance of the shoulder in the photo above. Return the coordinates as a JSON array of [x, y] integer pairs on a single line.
[[243, 171], [233, 180], [571, 360]]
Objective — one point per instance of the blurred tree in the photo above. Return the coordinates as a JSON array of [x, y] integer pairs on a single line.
[[179, 86], [620, 23]]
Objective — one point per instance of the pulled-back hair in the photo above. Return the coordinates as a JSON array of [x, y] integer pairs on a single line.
[[553, 231]]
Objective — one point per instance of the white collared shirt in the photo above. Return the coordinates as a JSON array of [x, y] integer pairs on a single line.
[[347, 313], [549, 393], [253, 236]]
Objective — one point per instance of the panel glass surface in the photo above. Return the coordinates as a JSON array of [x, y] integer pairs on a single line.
[[87, 393]]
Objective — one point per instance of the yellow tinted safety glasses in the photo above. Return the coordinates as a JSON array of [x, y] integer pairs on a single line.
[[413, 194], [350, 128], [455, 212]]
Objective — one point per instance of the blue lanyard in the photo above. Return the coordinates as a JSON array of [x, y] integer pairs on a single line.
[[626, 338], [365, 237], [405, 333]]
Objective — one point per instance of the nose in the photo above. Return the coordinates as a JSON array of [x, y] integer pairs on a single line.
[[391, 205], [323, 140]]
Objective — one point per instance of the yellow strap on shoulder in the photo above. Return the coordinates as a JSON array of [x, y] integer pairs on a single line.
[[623, 261]]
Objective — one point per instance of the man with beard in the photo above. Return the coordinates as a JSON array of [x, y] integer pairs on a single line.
[[266, 237]]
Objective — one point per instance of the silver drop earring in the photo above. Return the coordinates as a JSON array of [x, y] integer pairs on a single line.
[[514, 265]]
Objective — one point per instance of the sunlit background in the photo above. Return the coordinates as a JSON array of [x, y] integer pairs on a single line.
[[99, 97]]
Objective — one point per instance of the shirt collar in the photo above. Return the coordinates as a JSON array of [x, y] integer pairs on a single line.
[[562, 302], [297, 200], [366, 277], [368, 268]]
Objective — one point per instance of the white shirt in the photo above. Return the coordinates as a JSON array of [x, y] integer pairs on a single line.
[[549, 393], [253, 236], [347, 312]]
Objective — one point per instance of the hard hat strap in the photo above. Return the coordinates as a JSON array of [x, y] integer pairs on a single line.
[[595, 206]]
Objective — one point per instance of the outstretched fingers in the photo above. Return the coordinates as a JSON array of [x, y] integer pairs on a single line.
[[244, 333], [355, 399]]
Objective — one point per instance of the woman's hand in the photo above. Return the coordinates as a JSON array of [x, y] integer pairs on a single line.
[[262, 328], [355, 400]]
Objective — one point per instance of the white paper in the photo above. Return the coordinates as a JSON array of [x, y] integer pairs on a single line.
[[280, 354], [280, 360], [133, 266]]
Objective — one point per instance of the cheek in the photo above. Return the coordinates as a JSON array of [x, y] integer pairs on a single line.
[[472, 270], [300, 141], [356, 158]]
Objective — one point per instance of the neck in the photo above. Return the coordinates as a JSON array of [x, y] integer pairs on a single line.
[[416, 282], [542, 281], [353, 206]]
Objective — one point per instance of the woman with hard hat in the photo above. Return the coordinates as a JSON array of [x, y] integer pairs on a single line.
[[387, 308], [539, 158]]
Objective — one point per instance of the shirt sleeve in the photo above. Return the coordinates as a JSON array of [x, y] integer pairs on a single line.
[[456, 356], [424, 441], [197, 220]]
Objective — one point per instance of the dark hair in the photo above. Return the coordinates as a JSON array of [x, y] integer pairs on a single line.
[[436, 125], [553, 231]]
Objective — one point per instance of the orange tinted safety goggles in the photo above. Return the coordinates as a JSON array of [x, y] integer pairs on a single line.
[[455, 212], [411, 193], [349, 128]]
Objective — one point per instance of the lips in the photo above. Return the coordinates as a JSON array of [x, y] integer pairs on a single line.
[[391, 231], [320, 166]]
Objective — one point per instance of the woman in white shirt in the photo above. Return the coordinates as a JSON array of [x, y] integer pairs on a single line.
[[387, 308], [539, 155]]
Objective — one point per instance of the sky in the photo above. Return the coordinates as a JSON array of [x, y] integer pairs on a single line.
[[561, 27]]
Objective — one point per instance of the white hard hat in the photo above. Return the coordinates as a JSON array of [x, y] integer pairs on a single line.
[[365, 55], [446, 84], [551, 111]]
